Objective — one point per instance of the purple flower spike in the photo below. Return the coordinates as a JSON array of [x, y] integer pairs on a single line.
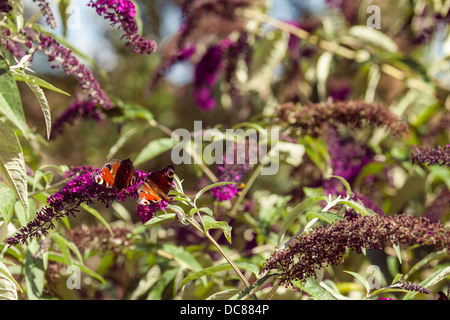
[[206, 73], [71, 66], [79, 109], [80, 189], [148, 212], [123, 12]]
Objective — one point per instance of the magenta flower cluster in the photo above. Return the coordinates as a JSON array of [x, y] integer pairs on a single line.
[[205, 77], [85, 110], [123, 12], [81, 188], [72, 66]]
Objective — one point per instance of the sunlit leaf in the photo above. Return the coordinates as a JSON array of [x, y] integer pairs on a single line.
[[12, 163]]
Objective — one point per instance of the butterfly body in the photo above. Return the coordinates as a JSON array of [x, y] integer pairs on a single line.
[[117, 174], [156, 186]]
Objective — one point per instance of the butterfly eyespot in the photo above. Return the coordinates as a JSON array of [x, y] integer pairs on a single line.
[[144, 202]]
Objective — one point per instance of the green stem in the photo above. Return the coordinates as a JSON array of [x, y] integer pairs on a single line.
[[206, 233], [244, 191]]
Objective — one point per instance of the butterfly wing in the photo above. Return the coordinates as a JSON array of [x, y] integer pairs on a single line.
[[163, 178], [156, 186], [116, 173], [124, 175]]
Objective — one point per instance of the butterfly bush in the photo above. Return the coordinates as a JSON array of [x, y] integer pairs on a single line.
[[81, 188], [432, 156], [315, 118], [327, 245], [84, 109], [233, 169], [123, 12]]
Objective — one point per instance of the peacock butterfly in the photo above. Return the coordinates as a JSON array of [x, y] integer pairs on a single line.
[[156, 186], [117, 174]]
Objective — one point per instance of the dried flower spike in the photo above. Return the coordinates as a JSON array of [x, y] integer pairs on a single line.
[[313, 119], [328, 245]]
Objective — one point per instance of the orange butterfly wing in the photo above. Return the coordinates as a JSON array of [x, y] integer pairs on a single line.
[[156, 186], [116, 173]]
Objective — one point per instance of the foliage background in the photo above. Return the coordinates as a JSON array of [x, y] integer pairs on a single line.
[[404, 65]]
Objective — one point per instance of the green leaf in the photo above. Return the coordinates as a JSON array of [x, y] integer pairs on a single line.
[[398, 252], [221, 267], [211, 223], [345, 183], [203, 209], [361, 279], [182, 256], [9, 113], [97, 215], [426, 260], [155, 148], [40, 96], [33, 80], [295, 212], [34, 274], [223, 295], [12, 163], [164, 280], [211, 186], [161, 218], [7, 202], [10, 103], [314, 289], [433, 279], [123, 140], [359, 207], [8, 285], [254, 287], [325, 216], [64, 246]]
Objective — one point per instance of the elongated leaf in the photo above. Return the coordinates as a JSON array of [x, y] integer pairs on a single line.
[[202, 191], [184, 257], [211, 223], [7, 201], [433, 279], [345, 183], [12, 163], [314, 289], [97, 215], [155, 148], [223, 295], [296, 212], [161, 218], [325, 216], [34, 276], [39, 93], [9, 113], [257, 285], [430, 257], [202, 209], [8, 285], [221, 267], [361, 279], [165, 279], [124, 138], [33, 80], [10, 103]]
